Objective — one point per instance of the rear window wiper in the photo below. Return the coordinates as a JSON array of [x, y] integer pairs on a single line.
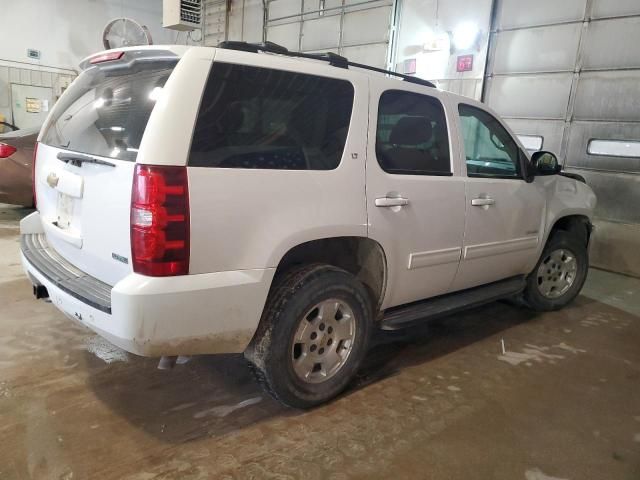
[[78, 159]]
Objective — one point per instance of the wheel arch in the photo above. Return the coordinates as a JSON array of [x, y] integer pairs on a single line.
[[578, 224], [361, 256]]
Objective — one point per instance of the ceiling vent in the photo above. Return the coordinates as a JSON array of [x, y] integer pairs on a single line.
[[182, 14]]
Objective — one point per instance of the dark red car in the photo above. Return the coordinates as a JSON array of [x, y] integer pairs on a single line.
[[16, 160]]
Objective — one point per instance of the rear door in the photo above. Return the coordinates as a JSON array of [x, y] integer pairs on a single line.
[[504, 212], [415, 196], [86, 158]]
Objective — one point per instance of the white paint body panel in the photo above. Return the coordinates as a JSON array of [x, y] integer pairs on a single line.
[[243, 222], [241, 218], [422, 240]]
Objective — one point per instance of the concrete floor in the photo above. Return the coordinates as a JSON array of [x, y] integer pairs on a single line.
[[442, 403]]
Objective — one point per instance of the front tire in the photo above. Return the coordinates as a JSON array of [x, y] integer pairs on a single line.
[[559, 274], [313, 335]]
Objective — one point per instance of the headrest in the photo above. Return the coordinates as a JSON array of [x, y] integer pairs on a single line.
[[411, 131]]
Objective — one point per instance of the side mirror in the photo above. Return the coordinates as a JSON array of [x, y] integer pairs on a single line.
[[545, 163]]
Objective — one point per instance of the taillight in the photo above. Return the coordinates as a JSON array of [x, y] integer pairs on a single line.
[[6, 150], [33, 175], [160, 221]]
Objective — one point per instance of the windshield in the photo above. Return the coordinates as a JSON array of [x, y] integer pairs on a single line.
[[106, 109]]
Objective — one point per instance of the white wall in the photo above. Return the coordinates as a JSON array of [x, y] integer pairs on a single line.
[[65, 31], [421, 19]]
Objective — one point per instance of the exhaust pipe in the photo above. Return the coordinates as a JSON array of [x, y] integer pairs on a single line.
[[167, 363], [40, 291]]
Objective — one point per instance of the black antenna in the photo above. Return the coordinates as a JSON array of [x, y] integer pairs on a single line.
[[333, 59]]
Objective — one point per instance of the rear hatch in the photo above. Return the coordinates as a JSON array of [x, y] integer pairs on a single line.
[[86, 159]]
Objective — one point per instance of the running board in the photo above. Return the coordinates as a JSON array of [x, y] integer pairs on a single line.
[[418, 312]]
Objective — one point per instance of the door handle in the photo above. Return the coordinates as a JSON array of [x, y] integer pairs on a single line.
[[482, 202], [391, 202]]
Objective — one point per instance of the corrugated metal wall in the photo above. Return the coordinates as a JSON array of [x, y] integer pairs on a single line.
[[569, 72], [28, 75], [214, 28]]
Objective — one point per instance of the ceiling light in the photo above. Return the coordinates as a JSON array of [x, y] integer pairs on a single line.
[[465, 35]]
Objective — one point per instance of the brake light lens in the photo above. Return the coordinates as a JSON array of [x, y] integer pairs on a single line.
[[106, 57], [33, 175], [6, 150], [160, 221]]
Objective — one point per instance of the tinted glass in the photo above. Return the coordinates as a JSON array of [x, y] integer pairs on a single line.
[[412, 134], [106, 109], [254, 117], [488, 147]]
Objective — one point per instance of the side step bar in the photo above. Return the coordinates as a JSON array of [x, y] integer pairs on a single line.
[[418, 312]]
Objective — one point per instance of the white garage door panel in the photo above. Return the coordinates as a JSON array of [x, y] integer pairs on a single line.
[[285, 35], [531, 96], [284, 8], [613, 8], [616, 192], [374, 55], [613, 96], [324, 32], [556, 49], [356, 31], [519, 13], [314, 6], [356, 5], [550, 131], [612, 44], [471, 88], [582, 132]]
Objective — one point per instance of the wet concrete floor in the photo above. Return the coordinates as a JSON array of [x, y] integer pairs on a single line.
[[441, 402]]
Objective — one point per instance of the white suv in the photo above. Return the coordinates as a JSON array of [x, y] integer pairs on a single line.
[[218, 200]]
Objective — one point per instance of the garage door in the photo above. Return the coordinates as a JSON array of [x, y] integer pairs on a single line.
[[566, 76], [358, 30]]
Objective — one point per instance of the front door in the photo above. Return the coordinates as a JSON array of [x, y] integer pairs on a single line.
[[504, 212], [415, 196]]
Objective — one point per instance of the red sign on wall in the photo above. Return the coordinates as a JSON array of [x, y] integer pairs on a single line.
[[464, 63]]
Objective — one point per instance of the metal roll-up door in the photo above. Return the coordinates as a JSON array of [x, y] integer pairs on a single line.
[[358, 30], [569, 73]]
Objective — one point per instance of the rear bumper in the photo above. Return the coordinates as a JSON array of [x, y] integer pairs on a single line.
[[184, 315]]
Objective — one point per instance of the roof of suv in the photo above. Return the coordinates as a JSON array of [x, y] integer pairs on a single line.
[[332, 59]]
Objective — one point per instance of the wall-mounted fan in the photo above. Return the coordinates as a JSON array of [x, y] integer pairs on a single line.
[[124, 32]]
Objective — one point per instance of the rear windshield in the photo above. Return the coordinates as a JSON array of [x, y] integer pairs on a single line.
[[107, 108], [253, 117]]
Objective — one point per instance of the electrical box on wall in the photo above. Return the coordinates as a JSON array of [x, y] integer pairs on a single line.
[[182, 14]]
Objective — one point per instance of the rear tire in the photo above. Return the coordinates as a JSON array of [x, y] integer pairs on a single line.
[[313, 335], [559, 274]]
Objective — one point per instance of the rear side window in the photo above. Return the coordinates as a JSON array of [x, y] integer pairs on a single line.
[[106, 109], [253, 117], [412, 136]]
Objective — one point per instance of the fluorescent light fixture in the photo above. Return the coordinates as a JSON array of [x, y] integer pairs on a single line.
[[465, 35], [533, 143], [117, 129], [614, 148]]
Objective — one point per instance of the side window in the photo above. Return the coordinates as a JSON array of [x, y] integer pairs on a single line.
[[253, 117], [489, 149], [412, 137]]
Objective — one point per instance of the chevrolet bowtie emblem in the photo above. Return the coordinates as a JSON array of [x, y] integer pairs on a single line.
[[52, 180]]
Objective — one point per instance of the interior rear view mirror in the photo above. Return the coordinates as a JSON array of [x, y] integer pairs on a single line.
[[545, 163]]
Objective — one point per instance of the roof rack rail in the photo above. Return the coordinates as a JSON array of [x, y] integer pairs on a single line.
[[333, 59]]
